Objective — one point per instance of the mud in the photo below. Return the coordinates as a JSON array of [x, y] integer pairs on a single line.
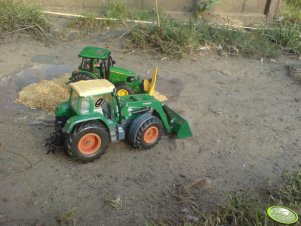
[[245, 118]]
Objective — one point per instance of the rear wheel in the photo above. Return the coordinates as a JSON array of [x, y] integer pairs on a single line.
[[145, 132], [123, 90], [88, 141], [79, 76]]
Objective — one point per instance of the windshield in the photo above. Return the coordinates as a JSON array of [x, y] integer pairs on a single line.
[[86, 64], [74, 100], [85, 105], [104, 105]]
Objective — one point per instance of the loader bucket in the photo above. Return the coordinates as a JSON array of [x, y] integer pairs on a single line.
[[179, 125]]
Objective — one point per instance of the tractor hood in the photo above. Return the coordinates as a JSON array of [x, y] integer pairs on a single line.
[[63, 110], [122, 71]]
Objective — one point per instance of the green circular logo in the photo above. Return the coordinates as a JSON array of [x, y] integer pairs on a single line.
[[282, 215]]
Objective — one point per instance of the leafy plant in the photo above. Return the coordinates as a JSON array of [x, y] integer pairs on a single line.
[[287, 36], [21, 16], [291, 10], [116, 9], [199, 8]]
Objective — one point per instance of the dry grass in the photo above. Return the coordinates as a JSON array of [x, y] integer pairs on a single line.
[[46, 94], [20, 16]]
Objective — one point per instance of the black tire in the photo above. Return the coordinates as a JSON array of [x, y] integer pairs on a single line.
[[79, 77], [87, 129], [142, 125], [67, 149], [125, 88]]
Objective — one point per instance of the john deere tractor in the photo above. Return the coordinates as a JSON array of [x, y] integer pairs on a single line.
[[96, 115], [97, 63]]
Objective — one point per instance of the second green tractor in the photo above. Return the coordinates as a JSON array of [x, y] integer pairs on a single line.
[[97, 63]]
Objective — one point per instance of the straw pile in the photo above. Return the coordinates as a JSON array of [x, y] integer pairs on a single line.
[[46, 94]]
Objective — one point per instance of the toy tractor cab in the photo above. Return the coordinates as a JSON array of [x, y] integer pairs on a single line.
[[97, 63], [95, 115]]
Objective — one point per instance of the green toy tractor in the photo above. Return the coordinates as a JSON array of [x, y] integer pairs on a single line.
[[97, 63], [96, 115]]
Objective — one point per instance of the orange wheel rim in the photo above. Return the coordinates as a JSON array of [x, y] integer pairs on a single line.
[[89, 144], [151, 134]]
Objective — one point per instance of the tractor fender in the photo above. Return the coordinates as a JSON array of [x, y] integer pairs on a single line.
[[75, 120]]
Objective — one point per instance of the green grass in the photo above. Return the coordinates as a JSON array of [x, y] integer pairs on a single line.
[[89, 24], [112, 9], [22, 17], [116, 9], [286, 36], [246, 210], [177, 38], [291, 10], [172, 37]]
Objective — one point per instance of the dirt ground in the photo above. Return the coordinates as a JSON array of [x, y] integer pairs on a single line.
[[244, 114]]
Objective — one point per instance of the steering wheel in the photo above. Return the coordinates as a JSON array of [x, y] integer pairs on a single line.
[[99, 102]]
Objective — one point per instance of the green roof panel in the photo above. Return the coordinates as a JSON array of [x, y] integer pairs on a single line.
[[95, 53]]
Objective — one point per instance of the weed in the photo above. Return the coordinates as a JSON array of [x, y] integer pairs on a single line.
[[143, 14], [177, 38], [67, 218], [89, 24], [116, 9], [291, 192], [172, 37], [199, 8], [287, 36], [247, 210], [114, 202], [22, 17], [240, 210], [114, 13], [291, 10]]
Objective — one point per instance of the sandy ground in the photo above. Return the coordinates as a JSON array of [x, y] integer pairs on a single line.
[[245, 117]]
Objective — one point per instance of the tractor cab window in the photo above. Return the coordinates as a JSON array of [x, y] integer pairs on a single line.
[[74, 100], [98, 67], [87, 64], [103, 104], [85, 105]]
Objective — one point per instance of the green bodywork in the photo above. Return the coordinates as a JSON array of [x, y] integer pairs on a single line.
[[115, 75], [121, 111], [95, 53]]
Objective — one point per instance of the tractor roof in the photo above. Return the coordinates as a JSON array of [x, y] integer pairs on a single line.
[[95, 53], [92, 87]]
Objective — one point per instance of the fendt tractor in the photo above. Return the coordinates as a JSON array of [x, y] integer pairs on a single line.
[[96, 115], [97, 63]]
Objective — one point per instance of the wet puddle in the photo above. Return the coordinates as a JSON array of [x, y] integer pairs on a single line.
[[11, 85], [34, 74], [45, 59]]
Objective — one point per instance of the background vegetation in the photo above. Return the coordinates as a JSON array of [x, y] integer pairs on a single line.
[[169, 35], [291, 10], [16, 17]]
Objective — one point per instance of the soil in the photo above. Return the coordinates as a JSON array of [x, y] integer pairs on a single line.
[[244, 114]]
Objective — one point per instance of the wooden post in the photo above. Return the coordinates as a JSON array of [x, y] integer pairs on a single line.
[[158, 17], [267, 7]]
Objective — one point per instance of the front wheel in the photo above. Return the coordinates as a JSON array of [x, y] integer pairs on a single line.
[[123, 90], [88, 141], [145, 132]]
